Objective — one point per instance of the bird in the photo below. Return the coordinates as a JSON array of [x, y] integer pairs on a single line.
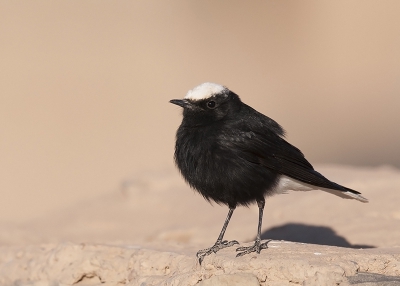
[[236, 156]]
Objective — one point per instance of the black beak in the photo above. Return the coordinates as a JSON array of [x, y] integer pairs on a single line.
[[181, 102]]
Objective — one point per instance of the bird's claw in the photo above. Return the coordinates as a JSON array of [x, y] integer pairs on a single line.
[[213, 249], [257, 247]]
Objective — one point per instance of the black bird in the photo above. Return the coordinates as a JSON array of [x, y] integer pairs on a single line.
[[234, 155]]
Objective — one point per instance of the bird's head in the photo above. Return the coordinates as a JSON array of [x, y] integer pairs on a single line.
[[208, 103]]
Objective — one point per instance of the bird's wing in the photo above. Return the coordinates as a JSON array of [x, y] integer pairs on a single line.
[[275, 153]]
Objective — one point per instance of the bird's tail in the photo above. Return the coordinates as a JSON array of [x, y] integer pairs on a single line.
[[345, 193]]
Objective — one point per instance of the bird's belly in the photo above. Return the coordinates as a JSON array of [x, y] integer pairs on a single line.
[[227, 179]]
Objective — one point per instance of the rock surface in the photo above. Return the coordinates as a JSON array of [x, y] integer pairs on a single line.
[[148, 231], [284, 263]]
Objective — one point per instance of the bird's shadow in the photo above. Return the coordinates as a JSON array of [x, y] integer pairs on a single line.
[[309, 234]]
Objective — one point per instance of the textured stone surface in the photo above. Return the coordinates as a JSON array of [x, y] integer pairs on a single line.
[[148, 232], [372, 279], [284, 263], [237, 279]]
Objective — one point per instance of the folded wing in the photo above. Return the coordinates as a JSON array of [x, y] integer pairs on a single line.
[[275, 153]]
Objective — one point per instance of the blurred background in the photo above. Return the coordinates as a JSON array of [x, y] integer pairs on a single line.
[[85, 85]]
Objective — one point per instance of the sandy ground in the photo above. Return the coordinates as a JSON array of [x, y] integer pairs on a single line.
[[147, 231]]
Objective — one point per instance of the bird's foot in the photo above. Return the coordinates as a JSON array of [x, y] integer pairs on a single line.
[[257, 247], [213, 249]]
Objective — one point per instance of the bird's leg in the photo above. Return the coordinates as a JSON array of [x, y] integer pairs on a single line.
[[258, 246], [219, 244]]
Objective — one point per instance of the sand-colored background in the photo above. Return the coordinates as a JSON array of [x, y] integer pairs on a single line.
[[85, 85]]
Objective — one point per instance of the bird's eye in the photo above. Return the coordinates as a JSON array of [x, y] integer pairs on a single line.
[[211, 104]]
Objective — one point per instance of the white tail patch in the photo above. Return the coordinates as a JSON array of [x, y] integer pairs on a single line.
[[288, 184], [204, 91]]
